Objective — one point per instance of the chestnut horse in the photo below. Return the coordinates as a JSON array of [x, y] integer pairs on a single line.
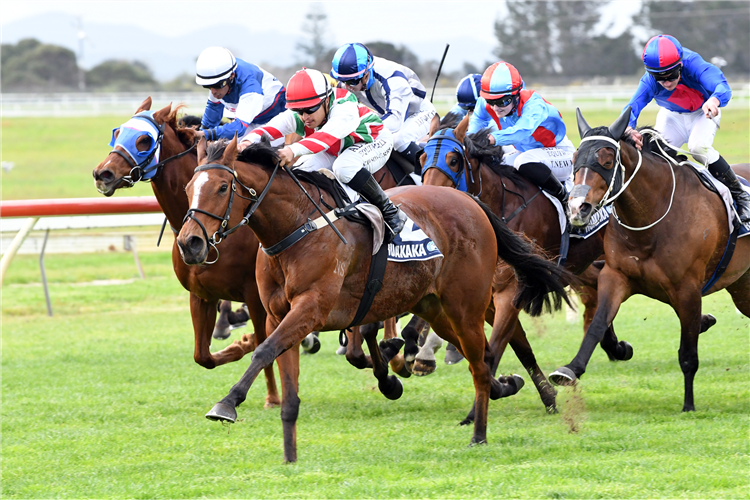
[[317, 283], [523, 207], [665, 239]]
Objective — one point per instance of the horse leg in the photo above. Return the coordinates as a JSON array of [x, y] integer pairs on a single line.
[[520, 345], [203, 314], [354, 353], [288, 363], [613, 290], [410, 334], [616, 350], [740, 293], [688, 309], [289, 332], [425, 362], [390, 386], [390, 335], [223, 329]]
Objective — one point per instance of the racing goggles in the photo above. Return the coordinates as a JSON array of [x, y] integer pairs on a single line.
[[308, 111], [669, 75], [352, 83], [503, 101], [217, 85]]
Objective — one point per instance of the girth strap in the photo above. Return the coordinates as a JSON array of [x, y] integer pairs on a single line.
[[724, 262], [373, 286]]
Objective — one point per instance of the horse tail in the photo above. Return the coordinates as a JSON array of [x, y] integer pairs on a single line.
[[541, 282]]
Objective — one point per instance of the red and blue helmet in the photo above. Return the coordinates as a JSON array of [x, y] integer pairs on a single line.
[[351, 62], [499, 80], [467, 91], [662, 53]]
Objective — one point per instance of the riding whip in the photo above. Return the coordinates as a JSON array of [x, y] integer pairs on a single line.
[[447, 46]]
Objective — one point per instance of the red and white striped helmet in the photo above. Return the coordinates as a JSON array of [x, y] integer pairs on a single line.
[[500, 79], [306, 88]]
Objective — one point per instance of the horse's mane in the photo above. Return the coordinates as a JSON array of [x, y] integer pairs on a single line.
[[650, 143], [478, 146], [451, 120], [260, 153]]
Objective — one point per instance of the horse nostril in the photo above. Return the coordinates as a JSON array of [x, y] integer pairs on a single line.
[[195, 245], [105, 176], [585, 209]]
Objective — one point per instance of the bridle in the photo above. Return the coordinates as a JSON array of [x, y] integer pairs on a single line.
[[141, 171], [436, 150]]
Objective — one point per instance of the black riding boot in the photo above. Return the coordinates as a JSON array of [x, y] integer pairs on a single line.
[[412, 154], [541, 175], [724, 173], [365, 184]]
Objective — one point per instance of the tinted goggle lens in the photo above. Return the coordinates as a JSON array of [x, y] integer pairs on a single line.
[[501, 102], [352, 83], [666, 76], [217, 85], [308, 111]]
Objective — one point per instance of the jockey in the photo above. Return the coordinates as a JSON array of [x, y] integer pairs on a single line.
[[467, 93], [690, 92], [392, 90], [252, 94], [543, 153], [338, 134]]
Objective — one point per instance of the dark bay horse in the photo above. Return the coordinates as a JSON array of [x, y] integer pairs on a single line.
[[665, 239], [476, 166], [317, 283]]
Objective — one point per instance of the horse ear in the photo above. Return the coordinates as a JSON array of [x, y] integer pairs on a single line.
[[162, 115], [202, 144], [145, 105], [230, 154], [619, 126], [460, 130], [583, 127], [434, 125]]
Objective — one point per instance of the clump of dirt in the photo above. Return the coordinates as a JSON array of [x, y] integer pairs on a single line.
[[573, 408]]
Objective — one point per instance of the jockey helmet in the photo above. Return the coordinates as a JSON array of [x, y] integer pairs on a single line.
[[661, 54], [499, 80], [351, 62], [214, 67], [307, 88], [467, 91]]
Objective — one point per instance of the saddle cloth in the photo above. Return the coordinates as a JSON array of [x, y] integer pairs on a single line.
[[726, 196]]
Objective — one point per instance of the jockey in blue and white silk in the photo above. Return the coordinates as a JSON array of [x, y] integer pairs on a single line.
[[392, 90], [254, 95]]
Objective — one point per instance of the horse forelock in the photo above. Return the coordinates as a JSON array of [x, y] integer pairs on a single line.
[[215, 151], [478, 146], [451, 120]]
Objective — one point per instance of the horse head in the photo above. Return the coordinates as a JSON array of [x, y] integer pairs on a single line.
[[138, 145], [599, 153], [444, 162]]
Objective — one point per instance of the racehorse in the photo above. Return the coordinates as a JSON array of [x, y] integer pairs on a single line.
[[666, 238], [473, 165], [317, 283]]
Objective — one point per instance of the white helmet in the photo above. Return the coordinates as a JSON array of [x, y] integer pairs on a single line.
[[214, 65]]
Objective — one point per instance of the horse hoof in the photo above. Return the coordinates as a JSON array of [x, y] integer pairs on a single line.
[[466, 421], [707, 321], [404, 372], [409, 365], [518, 380], [628, 354], [341, 350], [452, 356], [395, 388], [389, 348], [223, 413], [477, 442], [563, 376], [310, 344], [221, 333], [422, 367], [551, 409]]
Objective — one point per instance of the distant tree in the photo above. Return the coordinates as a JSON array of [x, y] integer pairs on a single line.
[[711, 28], [32, 66], [315, 47], [525, 37], [184, 82], [396, 53], [117, 75]]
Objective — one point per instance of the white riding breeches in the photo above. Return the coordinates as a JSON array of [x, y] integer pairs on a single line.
[[559, 159], [692, 128], [415, 127], [371, 156]]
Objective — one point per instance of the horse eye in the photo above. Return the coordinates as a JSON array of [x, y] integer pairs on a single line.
[[223, 188]]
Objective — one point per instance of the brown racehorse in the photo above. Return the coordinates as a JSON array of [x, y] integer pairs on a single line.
[[317, 283], [231, 279], [527, 211], [666, 236]]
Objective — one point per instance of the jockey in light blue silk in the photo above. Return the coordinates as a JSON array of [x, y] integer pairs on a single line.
[[690, 92], [392, 90], [251, 93], [530, 130]]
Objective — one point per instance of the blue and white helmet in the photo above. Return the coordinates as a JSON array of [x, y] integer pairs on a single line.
[[467, 91], [351, 62]]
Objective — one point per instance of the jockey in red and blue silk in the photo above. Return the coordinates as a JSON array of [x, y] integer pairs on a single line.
[[251, 93], [530, 129], [690, 92]]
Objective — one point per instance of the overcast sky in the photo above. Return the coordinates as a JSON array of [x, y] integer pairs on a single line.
[[400, 22]]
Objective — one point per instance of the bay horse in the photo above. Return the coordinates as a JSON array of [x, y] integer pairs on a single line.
[[472, 164], [317, 283], [665, 239]]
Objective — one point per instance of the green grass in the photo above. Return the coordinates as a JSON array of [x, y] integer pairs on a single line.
[[54, 157], [103, 400]]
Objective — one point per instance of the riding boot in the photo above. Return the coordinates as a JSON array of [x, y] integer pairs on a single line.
[[724, 173], [412, 154], [365, 184], [541, 175]]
